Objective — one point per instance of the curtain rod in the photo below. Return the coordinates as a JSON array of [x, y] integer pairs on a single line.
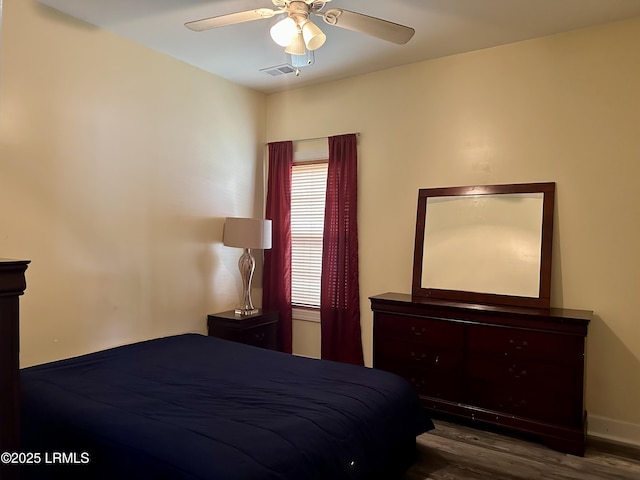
[[357, 134]]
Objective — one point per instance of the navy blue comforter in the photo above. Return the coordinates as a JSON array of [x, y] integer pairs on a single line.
[[197, 407]]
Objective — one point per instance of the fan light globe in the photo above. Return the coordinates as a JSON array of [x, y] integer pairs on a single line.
[[313, 36], [296, 47], [284, 32]]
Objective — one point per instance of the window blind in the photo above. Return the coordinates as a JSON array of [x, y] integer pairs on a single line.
[[308, 191]]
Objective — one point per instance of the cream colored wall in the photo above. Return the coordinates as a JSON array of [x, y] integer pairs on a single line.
[[564, 108], [117, 167]]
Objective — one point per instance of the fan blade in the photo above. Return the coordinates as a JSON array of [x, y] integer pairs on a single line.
[[376, 27], [230, 19]]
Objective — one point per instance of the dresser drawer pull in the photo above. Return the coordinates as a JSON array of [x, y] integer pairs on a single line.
[[418, 332], [418, 382], [259, 336], [512, 370], [518, 347], [417, 357], [514, 404]]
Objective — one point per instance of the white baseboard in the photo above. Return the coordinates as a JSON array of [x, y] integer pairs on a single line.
[[614, 430]]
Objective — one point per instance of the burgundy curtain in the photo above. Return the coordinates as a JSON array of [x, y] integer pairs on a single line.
[[276, 293], [340, 290]]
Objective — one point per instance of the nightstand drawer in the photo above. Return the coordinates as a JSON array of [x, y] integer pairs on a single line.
[[259, 330], [263, 336]]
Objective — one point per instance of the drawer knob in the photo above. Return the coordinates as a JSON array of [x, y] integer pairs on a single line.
[[515, 404], [512, 342], [417, 357], [417, 382], [417, 332], [513, 371]]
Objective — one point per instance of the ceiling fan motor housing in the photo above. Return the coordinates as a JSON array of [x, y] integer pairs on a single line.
[[299, 11], [313, 4]]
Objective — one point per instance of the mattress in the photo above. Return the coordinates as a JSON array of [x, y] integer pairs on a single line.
[[198, 407]]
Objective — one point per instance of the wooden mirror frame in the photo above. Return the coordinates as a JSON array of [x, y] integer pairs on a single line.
[[543, 298]]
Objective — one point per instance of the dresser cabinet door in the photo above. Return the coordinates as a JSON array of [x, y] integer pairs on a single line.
[[527, 373], [427, 352]]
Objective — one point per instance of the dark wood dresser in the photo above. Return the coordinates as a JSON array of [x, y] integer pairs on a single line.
[[259, 330], [12, 285], [518, 368]]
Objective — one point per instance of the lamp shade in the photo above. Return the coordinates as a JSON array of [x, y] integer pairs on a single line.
[[313, 36], [284, 31], [296, 47], [247, 233]]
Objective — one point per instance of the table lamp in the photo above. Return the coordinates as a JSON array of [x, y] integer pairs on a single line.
[[247, 233]]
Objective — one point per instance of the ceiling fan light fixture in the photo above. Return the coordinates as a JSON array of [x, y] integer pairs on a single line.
[[296, 47], [313, 36], [284, 32]]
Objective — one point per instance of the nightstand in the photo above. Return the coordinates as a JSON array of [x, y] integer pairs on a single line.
[[259, 330]]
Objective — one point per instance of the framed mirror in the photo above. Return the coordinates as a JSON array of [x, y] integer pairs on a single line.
[[486, 243]]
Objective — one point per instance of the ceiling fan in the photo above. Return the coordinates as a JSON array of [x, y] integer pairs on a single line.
[[296, 31]]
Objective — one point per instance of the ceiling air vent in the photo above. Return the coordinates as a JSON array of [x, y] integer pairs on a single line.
[[278, 70]]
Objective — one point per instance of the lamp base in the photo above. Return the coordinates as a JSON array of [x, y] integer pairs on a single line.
[[246, 264]]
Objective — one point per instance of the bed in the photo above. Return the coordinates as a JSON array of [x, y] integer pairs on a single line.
[[198, 407]]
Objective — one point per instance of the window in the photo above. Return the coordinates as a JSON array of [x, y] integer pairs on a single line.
[[308, 192]]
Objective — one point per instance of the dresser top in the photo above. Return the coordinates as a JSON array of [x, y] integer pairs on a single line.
[[557, 313]]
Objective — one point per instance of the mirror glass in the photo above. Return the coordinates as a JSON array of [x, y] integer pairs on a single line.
[[485, 243]]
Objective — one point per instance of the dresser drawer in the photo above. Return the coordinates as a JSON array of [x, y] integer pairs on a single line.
[[527, 344], [527, 374], [545, 405], [436, 385], [416, 356], [424, 330]]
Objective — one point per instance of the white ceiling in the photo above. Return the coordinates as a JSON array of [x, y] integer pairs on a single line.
[[239, 52]]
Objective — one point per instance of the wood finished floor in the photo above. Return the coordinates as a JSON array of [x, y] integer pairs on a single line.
[[455, 452]]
